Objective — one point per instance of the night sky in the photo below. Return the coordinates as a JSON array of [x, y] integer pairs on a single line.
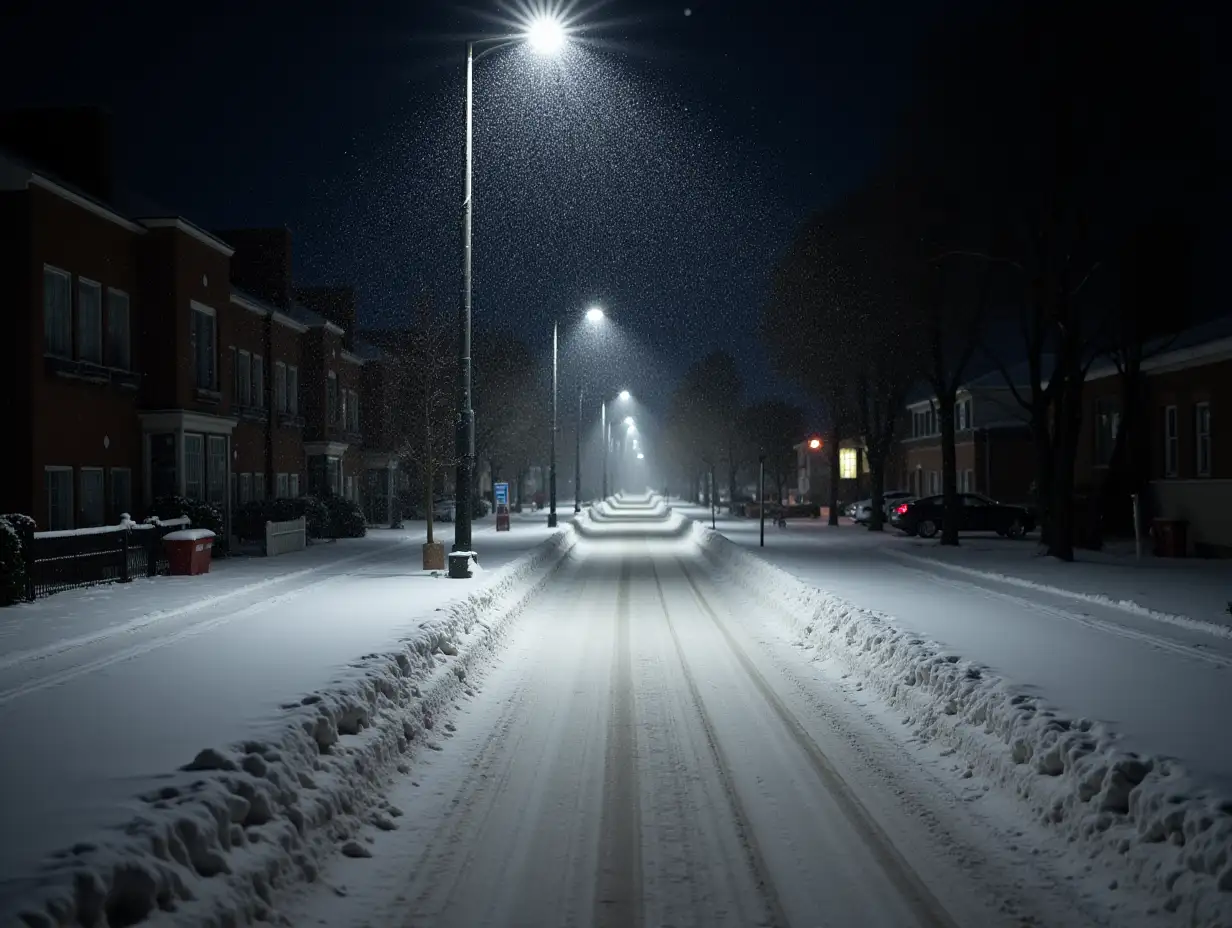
[[657, 168]]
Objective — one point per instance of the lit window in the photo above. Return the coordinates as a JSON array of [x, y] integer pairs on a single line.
[[848, 459]]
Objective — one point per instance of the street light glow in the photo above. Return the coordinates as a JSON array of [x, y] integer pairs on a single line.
[[814, 443], [546, 35], [595, 314], [629, 421], [624, 396], [640, 456]]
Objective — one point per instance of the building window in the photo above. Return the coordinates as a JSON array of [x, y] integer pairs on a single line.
[[293, 485], [934, 483], [970, 482], [121, 492], [59, 482], [245, 488], [164, 465], [57, 313], [258, 486], [1107, 423], [293, 390], [280, 387], [258, 381], [194, 466], [1170, 441], [119, 343], [847, 463], [283, 486], [205, 343], [89, 321], [331, 398], [1202, 436], [92, 498], [216, 475], [353, 412], [243, 379]]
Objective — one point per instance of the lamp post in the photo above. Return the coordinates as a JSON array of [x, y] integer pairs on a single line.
[[624, 397], [594, 316], [546, 35]]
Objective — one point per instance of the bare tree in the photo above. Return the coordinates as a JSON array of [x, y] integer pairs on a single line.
[[426, 365]]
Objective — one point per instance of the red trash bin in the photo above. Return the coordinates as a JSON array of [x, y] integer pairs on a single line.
[[1170, 537], [502, 518], [189, 551]]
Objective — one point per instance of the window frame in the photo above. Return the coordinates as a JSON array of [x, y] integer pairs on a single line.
[[281, 486], [293, 389], [331, 398], [67, 323], [293, 485], [848, 464], [209, 313], [1202, 437], [188, 465], [280, 386], [258, 381], [94, 286], [70, 510], [116, 509], [1171, 441], [245, 488], [92, 520], [125, 363], [243, 377]]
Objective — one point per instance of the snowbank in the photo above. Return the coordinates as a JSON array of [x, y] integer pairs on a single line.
[[236, 822], [624, 508], [1141, 816]]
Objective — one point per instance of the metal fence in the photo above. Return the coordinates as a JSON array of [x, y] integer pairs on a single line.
[[58, 561]]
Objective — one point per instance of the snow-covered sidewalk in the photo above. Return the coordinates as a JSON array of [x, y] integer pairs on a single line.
[[102, 706]]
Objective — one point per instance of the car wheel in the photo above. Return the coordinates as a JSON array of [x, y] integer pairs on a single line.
[[927, 528], [1016, 529]]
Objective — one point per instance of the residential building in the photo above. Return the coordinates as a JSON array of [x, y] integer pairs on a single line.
[[152, 358], [992, 441]]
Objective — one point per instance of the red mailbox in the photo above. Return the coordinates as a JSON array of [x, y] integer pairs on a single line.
[[502, 518]]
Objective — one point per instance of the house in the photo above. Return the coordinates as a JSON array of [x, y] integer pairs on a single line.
[[813, 472], [150, 357], [1188, 395], [994, 453]]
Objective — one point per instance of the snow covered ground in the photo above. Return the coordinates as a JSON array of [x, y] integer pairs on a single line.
[[105, 693], [1107, 720]]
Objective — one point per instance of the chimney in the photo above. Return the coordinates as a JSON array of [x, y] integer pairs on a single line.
[[337, 304], [71, 143], [261, 264]]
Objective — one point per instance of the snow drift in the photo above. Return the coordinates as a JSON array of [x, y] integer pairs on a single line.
[[210, 846], [1142, 817]]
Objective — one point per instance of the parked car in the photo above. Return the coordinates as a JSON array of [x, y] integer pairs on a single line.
[[443, 510], [862, 510], [923, 517]]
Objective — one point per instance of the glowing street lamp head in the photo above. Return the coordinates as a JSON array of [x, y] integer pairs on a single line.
[[629, 421], [546, 35], [640, 456], [624, 396], [814, 444], [595, 315]]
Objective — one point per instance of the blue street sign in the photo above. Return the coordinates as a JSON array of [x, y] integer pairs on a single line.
[[501, 491]]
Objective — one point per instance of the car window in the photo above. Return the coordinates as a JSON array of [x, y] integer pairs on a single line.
[[969, 500]]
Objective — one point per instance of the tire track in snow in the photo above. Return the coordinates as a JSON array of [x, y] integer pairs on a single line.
[[756, 861], [893, 864], [618, 892]]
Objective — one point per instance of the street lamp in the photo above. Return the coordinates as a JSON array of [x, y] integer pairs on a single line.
[[623, 396], [594, 316], [545, 35]]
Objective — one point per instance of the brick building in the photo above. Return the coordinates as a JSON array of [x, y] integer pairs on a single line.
[[149, 357]]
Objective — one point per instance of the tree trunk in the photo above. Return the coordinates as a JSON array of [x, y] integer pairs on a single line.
[[835, 471], [946, 401], [877, 455], [1067, 423]]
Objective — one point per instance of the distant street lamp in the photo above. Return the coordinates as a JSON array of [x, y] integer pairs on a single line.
[[594, 316], [623, 396], [545, 35]]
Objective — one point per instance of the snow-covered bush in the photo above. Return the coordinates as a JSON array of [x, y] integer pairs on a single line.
[[316, 516], [346, 519], [201, 513], [12, 558]]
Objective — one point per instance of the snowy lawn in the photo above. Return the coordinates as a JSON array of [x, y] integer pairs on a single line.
[[1127, 799], [92, 727]]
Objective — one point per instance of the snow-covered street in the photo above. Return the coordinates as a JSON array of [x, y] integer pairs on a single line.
[[635, 722]]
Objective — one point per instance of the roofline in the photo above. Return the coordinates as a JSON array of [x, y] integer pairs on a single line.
[[253, 306], [87, 203], [1178, 359], [352, 357], [193, 231]]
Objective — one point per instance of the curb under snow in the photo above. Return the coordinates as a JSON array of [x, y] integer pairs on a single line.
[[210, 848], [1142, 815]]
